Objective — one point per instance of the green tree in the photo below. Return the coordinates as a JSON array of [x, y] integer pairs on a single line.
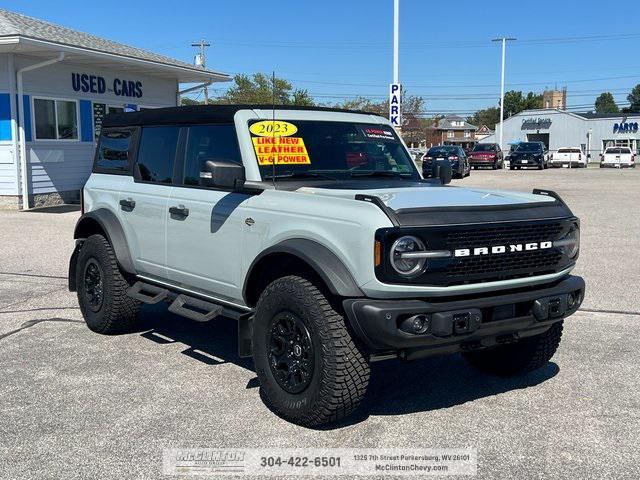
[[516, 102], [365, 105], [487, 116], [185, 101], [262, 89], [634, 100], [412, 108], [606, 104]]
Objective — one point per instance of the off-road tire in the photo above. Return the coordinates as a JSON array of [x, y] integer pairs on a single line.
[[518, 358], [341, 369], [118, 312]]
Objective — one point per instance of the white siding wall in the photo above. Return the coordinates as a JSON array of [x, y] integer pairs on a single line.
[[56, 168], [59, 166]]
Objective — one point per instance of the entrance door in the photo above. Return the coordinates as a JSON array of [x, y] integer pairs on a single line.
[[205, 237], [143, 200]]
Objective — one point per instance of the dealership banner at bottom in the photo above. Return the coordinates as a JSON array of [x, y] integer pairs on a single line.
[[226, 462]]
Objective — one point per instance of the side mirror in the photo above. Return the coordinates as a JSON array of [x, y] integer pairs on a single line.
[[222, 173], [442, 169]]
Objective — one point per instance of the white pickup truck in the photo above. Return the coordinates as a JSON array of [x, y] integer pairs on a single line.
[[617, 157], [568, 157]]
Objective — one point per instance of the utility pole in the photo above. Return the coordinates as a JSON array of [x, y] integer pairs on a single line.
[[504, 41], [201, 61]]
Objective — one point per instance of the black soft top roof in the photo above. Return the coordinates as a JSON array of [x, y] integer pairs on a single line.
[[194, 114]]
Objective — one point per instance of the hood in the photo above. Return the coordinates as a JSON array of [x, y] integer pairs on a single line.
[[435, 196]]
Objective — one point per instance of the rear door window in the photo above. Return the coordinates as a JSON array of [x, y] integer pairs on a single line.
[[157, 154], [113, 151]]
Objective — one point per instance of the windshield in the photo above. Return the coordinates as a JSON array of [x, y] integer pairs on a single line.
[[618, 150], [529, 147], [487, 147], [329, 150]]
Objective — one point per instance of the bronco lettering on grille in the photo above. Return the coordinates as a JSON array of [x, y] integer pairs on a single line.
[[499, 249]]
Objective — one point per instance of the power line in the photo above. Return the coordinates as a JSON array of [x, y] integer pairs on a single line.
[[323, 44]]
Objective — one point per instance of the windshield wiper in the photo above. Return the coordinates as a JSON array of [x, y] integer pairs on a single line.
[[299, 175], [382, 173]]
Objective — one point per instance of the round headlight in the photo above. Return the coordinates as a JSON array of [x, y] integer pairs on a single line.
[[407, 265]]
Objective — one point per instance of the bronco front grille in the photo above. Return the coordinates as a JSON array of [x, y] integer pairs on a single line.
[[479, 268], [503, 234], [538, 261]]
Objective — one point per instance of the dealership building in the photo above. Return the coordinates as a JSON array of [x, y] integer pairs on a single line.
[[56, 86], [591, 132]]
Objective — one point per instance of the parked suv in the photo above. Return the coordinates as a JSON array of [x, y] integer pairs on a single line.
[[314, 230], [529, 154], [455, 155], [486, 155]]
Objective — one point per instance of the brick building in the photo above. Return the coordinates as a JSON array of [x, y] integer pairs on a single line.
[[452, 130]]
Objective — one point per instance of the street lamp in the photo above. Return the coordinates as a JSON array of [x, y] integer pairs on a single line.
[[504, 41]]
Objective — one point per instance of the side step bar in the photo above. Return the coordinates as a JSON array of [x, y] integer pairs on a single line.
[[198, 310], [147, 293], [181, 304], [195, 309]]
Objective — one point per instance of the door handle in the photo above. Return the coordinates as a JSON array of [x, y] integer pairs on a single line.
[[127, 204], [179, 211]]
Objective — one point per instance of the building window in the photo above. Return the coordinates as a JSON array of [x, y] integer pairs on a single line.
[[450, 134], [467, 134], [55, 119]]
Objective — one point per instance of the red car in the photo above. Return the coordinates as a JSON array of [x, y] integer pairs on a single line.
[[486, 155]]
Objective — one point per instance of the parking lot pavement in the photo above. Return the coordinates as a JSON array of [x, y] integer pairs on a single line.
[[79, 405]]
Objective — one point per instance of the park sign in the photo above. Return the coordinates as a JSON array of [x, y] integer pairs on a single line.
[[395, 98]]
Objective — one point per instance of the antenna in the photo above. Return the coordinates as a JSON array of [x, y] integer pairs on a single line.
[[273, 127]]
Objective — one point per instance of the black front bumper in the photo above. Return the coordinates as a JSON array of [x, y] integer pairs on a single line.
[[469, 323]]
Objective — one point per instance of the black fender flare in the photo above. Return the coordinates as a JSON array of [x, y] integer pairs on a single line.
[[114, 232], [323, 261]]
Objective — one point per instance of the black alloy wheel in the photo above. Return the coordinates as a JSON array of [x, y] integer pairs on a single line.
[[93, 284], [291, 355]]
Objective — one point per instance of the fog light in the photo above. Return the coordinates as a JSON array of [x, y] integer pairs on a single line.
[[416, 324], [571, 300]]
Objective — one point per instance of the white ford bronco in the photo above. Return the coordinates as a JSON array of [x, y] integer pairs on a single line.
[[314, 229]]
